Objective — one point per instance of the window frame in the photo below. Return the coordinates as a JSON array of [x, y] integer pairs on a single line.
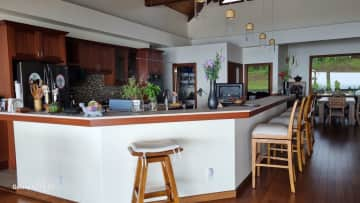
[[319, 56], [270, 81]]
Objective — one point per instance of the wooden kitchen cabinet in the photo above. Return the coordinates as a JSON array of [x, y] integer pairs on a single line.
[[92, 56], [149, 62], [36, 43]]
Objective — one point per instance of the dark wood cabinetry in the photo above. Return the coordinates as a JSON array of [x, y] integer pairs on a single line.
[[149, 62], [36, 43], [92, 56], [235, 72]]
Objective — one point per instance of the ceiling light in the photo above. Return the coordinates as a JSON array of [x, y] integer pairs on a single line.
[[249, 27], [262, 36], [272, 42], [200, 1], [230, 14]]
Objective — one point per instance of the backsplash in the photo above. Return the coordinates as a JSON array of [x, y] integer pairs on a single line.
[[93, 88]]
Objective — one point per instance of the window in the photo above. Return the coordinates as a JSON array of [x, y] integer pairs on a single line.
[[335, 72], [258, 79]]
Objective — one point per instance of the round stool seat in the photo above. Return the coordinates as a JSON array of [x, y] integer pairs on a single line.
[[270, 131], [154, 148]]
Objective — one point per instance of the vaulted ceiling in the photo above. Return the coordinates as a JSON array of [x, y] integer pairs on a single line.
[[186, 7]]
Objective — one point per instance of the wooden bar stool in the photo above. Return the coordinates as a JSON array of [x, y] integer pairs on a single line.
[[154, 152], [274, 134], [299, 132], [309, 131]]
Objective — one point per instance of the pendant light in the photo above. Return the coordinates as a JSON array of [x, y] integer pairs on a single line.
[[230, 14], [272, 41], [196, 3], [249, 28]]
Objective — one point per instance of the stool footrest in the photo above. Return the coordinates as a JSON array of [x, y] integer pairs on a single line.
[[155, 194]]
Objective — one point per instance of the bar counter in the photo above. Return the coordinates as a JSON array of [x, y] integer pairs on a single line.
[[126, 118], [87, 159]]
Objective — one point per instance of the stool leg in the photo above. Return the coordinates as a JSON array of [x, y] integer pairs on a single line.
[[253, 162], [290, 167], [143, 176], [169, 170], [166, 179], [258, 151], [268, 153], [308, 140], [137, 181], [303, 157]]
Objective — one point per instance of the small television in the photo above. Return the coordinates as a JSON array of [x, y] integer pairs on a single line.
[[229, 91]]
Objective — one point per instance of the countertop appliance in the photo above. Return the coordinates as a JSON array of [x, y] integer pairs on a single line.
[[229, 92], [55, 76]]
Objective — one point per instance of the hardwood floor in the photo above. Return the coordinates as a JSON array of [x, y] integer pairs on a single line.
[[332, 175]]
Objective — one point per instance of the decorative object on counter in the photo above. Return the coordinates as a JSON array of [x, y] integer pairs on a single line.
[[152, 91], [37, 94], [93, 109], [212, 68], [53, 108], [284, 75], [297, 78], [133, 92], [174, 97]]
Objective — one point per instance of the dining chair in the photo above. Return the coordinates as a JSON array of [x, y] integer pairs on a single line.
[[337, 107]]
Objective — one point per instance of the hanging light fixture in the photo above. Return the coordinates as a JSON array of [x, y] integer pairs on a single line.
[[230, 14], [262, 38], [272, 41], [249, 28]]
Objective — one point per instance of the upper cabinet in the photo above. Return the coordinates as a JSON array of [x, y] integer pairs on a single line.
[[36, 43], [149, 62], [92, 56]]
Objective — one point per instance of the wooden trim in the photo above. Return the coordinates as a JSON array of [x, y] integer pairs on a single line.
[[206, 197], [36, 195], [142, 120], [259, 64]]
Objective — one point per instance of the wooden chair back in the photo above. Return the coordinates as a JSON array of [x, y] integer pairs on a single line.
[[337, 103], [301, 114], [292, 118]]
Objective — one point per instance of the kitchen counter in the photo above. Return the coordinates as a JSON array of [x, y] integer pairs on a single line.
[[87, 159], [126, 118]]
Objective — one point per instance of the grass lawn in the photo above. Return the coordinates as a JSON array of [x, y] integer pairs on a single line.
[[258, 79]]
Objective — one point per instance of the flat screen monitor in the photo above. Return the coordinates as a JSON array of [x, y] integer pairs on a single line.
[[226, 91]]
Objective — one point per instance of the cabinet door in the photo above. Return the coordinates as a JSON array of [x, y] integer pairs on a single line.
[[53, 47], [26, 44], [155, 62], [106, 59], [87, 59]]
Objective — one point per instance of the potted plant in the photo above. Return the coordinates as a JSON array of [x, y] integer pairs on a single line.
[[152, 91], [132, 91], [337, 86], [212, 68]]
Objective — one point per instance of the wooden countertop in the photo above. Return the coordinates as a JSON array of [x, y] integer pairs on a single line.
[[128, 118]]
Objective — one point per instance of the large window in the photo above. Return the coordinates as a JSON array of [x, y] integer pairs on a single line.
[[258, 78], [335, 72]]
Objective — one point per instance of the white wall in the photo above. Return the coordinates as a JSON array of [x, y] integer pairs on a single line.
[[198, 55], [283, 66], [234, 53], [264, 54], [288, 14], [303, 51], [159, 17], [70, 15]]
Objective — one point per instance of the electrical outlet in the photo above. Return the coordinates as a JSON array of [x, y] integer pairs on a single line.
[[210, 173], [61, 180]]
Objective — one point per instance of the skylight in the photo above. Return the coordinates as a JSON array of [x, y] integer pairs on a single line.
[[230, 1]]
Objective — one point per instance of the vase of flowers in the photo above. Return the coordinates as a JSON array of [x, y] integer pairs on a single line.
[[212, 68]]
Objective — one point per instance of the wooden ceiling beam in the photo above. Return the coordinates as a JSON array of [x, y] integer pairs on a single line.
[[151, 3]]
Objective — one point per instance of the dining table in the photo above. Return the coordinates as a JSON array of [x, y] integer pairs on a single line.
[[350, 101]]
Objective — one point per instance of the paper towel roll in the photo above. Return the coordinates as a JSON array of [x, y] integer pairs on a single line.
[[18, 90]]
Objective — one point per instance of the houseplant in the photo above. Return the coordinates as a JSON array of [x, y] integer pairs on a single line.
[[212, 68], [132, 91], [152, 91]]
